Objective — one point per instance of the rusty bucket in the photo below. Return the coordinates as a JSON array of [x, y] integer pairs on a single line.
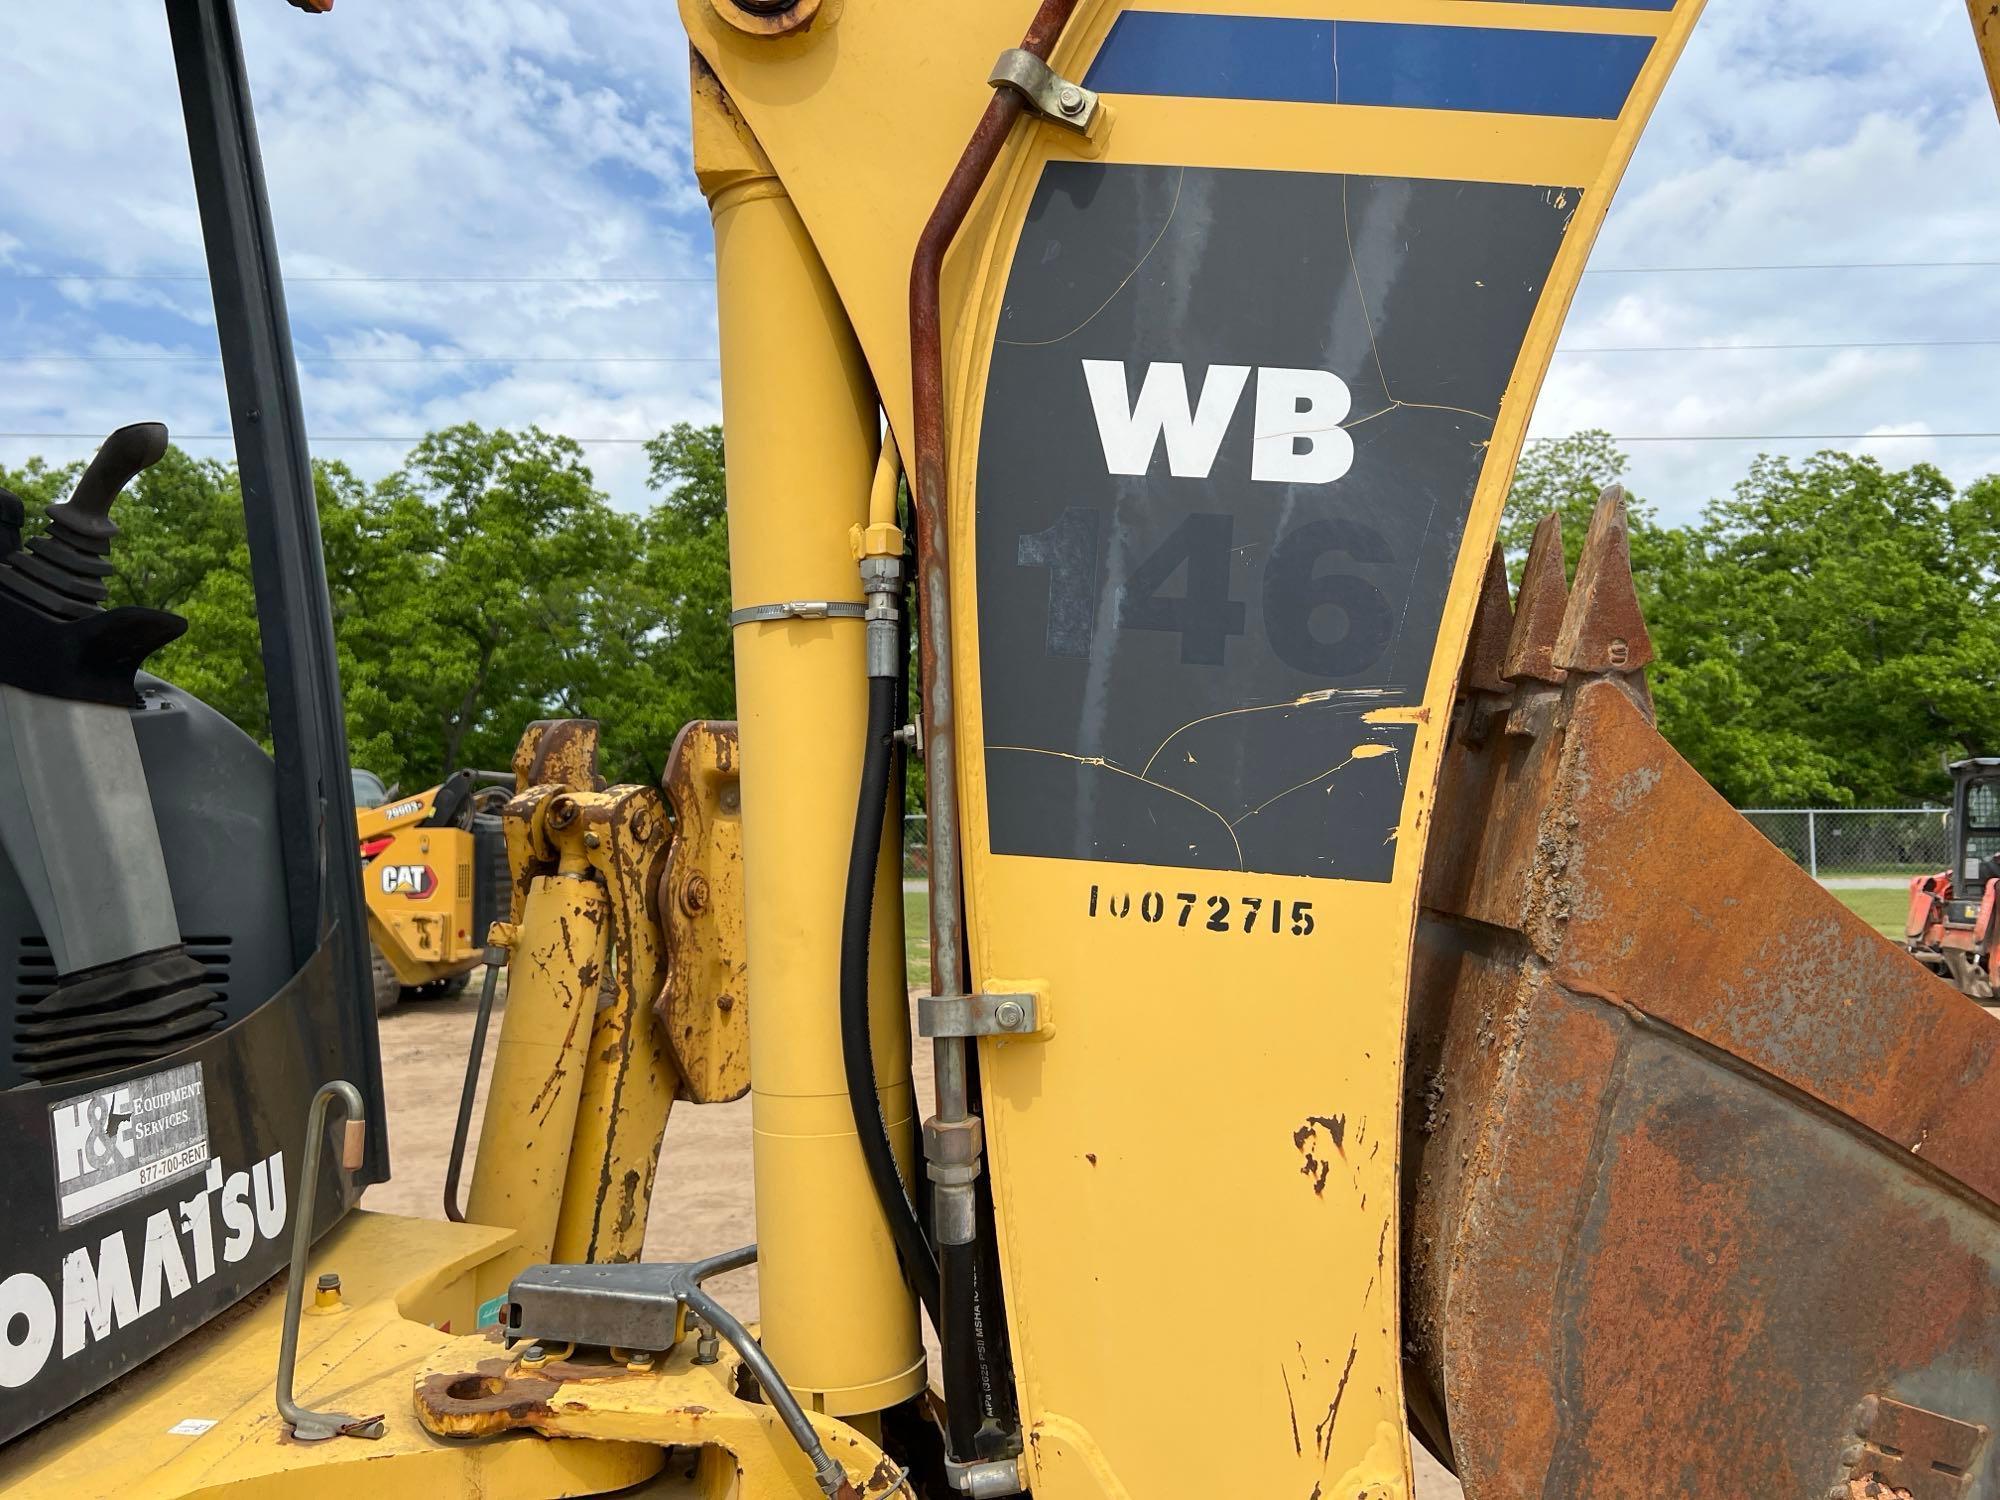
[[1702, 1176]]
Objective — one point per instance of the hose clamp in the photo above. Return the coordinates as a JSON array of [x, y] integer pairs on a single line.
[[797, 609], [1045, 92], [979, 1015]]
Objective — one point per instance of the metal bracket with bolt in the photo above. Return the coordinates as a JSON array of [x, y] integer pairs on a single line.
[[1046, 92], [979, 1015]]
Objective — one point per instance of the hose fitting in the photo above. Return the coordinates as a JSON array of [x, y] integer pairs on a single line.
[[882, 582], [952, 1150]]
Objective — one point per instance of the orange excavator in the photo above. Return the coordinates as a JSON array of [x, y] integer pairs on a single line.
[[1951, 928]]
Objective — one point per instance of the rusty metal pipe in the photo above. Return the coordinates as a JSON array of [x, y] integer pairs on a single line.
[[953, 1168], [928, 500]]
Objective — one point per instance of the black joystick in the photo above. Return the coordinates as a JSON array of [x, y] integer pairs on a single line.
[[56, 636], [62, 571]]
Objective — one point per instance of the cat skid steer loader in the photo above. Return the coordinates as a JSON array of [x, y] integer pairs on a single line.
[[434, 876], [1350, 1018]]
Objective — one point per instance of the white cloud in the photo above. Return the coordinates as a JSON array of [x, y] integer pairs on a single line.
[[549, 138], [505, 139], [1867, 136]]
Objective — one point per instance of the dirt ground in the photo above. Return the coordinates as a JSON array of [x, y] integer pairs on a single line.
[[702, 1199]]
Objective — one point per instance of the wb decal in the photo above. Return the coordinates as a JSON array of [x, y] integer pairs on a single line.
[[1296, 436]]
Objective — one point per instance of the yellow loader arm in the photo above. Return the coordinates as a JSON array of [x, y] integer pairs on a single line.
[[1221, 328], [1986, 32], [1210, 355]]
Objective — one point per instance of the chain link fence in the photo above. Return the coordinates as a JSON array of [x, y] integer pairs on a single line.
[[1885, 843], [1835, 843]]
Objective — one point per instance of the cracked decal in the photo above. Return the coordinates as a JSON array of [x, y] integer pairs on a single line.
[[1233, 424]]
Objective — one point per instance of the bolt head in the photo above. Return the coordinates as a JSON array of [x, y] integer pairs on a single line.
[[591, 840], [1009, 1014], [329, 1281], [1070, 100], [694, 895]]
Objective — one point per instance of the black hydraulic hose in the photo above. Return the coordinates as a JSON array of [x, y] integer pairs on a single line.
[[965, 1374], [919, 1262]]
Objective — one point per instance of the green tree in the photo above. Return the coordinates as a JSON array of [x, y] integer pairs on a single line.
[[488, 558], [39, 485], [1565, 475], [662, 653], [1827, 634]]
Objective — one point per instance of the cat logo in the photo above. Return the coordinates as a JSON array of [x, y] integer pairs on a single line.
[[414, 881]]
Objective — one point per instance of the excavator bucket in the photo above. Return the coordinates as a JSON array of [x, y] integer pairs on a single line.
[[1701, 1176]]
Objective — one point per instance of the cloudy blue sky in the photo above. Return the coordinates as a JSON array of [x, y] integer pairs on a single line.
[[424, 157]]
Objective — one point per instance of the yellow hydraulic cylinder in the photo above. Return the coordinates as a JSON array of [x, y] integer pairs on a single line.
[[800, 431], [558, 963]]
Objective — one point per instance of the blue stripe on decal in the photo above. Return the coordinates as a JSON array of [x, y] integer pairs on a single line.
[[1606, 4], [1216, 57], [1280, 58]]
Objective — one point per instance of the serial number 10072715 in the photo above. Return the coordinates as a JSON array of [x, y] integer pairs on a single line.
[[1211, 913]]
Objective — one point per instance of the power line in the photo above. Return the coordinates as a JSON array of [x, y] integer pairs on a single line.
[[1792, 437], [313, 439], [181, 276], [373, 359], [1653, 437], [1743, 348], [1831, 265], [709, 359], [371, 280]]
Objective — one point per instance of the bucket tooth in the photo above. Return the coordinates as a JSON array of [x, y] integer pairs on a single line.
[[1529, 663], [1483, 692], [1492, 627], [1603, 630], [1538, 612]]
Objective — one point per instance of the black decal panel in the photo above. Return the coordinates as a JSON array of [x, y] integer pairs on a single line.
[[95, 1288], [1179, 645]]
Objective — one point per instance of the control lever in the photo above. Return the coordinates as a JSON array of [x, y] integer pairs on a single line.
[[76, 819], [60, 640], [62, 571]]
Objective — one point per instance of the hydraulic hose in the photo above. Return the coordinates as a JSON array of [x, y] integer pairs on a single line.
[[857, 1055]]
